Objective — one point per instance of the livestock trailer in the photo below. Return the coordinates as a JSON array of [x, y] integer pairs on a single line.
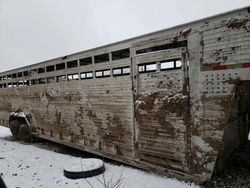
[[174, 101]]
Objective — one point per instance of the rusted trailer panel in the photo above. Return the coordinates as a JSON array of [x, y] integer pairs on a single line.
[[174, 101]]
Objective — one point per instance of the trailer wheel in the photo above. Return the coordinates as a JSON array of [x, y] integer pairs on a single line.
[[14, 127], [87, 168], [25, 134]]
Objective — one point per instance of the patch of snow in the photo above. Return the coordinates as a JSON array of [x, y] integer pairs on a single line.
[[4, 132], [139, 103], [210, 165], [146, 93], [24, 165], [198, 141], [84, 165], [176, 97]]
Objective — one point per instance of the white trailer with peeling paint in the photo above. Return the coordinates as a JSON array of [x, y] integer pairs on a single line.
[[174, 101]]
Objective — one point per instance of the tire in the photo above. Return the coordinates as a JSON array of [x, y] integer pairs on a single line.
[[14, 127], [24, 133], [84, 173]]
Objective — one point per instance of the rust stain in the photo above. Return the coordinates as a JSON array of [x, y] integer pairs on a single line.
[[145, 101], [116, 129], [173, 104], [202, 44], [185, 32], [195, 165], [238, 23], [111, 130], [93, 117], [234, 48], [176, 104], [58, 116], [79, 119], [217, 145], [219, 39]]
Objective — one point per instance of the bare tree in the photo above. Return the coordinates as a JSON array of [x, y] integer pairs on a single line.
[[108, 183]]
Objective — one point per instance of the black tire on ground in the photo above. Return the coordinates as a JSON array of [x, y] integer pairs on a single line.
[[24, 133], [84, 174], [14, 127]]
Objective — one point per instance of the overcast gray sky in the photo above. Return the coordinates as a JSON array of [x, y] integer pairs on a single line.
[[32, 31]]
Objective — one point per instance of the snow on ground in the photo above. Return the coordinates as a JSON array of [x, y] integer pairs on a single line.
[[24, 166]]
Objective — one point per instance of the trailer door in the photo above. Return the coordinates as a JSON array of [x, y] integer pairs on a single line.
[[162, 107]]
